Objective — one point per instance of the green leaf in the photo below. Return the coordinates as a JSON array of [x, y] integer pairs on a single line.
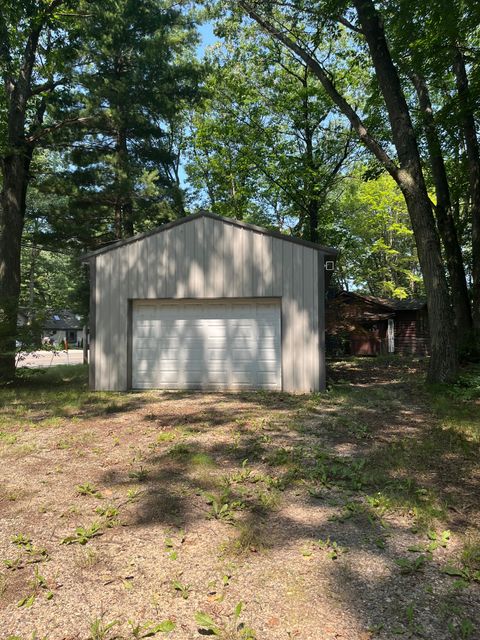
[[164, 627], [453, 571], [238, 609], [27, 601], [204, 620]]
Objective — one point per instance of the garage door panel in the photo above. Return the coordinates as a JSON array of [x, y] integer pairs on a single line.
[[206, 345]]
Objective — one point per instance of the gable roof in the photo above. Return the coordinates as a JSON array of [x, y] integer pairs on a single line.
[[408, 304], [207, 214], [61, 320]]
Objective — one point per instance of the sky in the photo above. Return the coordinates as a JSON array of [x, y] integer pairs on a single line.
[[207, 38]]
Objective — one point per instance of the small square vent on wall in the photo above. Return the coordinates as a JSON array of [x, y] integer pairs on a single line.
[[329, 265]]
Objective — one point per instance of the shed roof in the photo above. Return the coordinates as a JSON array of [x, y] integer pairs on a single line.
[[207, 214], [62, 320]]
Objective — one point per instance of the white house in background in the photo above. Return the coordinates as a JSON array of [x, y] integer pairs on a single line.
[[63, 325], [207, 302]]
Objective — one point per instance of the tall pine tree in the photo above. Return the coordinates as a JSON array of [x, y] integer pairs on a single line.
[[122, 175]]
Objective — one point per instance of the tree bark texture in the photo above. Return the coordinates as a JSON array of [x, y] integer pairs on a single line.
[[444, 215], [473, 159], [15, 166], [15, 169]]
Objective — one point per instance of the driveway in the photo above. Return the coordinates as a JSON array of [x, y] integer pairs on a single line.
[[39, 359]]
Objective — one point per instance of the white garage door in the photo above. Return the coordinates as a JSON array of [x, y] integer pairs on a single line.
[[206, 344]]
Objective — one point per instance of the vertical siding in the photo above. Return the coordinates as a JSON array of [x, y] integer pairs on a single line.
[[212, 259], [321, 318], [151, 250], [288, 320], [299, 311], [309, 266], [277, 267], [122, 309], [210, 249], [247, 263], [180, 287], [217, 261], [101, 323], [93, 322]]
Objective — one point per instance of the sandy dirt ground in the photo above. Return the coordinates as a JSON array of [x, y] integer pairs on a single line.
[[146, 508]]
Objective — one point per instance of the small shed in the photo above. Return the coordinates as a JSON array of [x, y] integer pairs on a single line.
[[208, 302], [365, 325]]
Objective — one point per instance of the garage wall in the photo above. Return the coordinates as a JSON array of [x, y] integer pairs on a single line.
[[208, 258]]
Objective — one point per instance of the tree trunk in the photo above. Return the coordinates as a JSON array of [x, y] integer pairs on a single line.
[[124, 204], [444, 215], [443, 363], [473, 158], [15, 169]]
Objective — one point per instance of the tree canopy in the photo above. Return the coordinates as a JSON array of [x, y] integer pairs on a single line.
[[350, 123]]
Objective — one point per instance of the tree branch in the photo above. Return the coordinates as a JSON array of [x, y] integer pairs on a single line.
[[349, 25], [342, 104], [58, 125], [46, 86]]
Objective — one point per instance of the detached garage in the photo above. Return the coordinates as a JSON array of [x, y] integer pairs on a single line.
[[208, 303]]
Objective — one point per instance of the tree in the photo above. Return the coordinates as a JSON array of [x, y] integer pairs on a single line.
[[371, 229], [406, 169], [265, 145], [37, 44], [122, 173]]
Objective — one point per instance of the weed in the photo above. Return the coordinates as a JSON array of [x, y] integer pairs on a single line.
[[87, 489], [466, 574], [436, 541], [100, 630], [13, 565], [110, 513], [21, 540], [37, 586], [408, 566], [268, 500], [166, 436], [82, 535], [141, 475], [222, 507], [33, 554], [332, 548], [150, 629], [180, 451], [470, 556], [243, 475], [182, 589], [462, 628], [170, 545], [413, 627], [281, 457], [133, 495], [349, 510], [232, 630]]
